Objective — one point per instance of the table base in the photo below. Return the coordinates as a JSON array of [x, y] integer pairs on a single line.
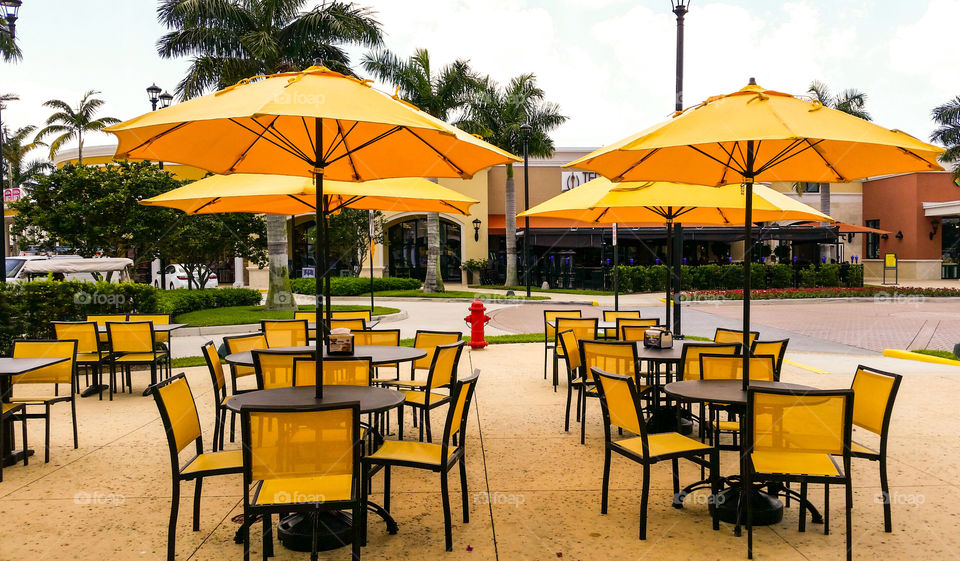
[[664, 419], [295, 532], [767, 509], [16, 457], [96, 389]]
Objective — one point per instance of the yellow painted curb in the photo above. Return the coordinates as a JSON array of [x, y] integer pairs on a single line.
[[664, 301], [805, 367], [908, 355], [594, 303]]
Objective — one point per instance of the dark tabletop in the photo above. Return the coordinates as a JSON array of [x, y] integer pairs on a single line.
[[600, 324], [722, 391], [157, 328], [370, 324], [379, 354], [16, 366], [372, 399]]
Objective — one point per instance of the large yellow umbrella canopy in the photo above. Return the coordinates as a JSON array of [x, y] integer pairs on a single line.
[[792, 139], [756, 134], [315, 123], [271, 124], [603, 201], [284, 194]]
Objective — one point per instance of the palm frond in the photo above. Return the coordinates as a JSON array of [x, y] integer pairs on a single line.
[[820, 92]]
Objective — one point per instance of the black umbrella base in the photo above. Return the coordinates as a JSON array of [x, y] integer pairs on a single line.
[[296, 531], [664, 419], [767, 509]]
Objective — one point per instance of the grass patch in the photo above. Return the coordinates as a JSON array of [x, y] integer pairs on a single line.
[[453, 294], [698, 338], [936, 352], [523, 289], [234, 315], [188, 361]]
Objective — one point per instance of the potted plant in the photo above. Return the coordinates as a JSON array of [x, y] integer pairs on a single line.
[[473, 268]]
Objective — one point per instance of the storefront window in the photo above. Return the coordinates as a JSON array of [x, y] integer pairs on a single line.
[[873, 241], [407, 249]]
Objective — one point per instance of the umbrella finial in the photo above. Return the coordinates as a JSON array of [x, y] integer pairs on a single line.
[[753, 81]]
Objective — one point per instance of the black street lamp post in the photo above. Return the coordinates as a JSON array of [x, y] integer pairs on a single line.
[[680, 8], [164, 99], [10, 10], [525, 129]]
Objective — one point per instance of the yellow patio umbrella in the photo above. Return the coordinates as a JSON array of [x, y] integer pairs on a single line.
[[756, 134], [315, 123], [289, 195], [606, 202]]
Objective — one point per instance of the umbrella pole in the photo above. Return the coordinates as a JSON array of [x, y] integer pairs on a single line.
[[371, 262], [677, 275], [747, 251], [666, 320], [616, 271], [320, 257]]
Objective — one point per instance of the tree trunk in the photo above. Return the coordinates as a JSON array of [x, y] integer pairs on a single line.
[[79, 149], [510, 211], [279, 296], [433, 281], [825, 198]]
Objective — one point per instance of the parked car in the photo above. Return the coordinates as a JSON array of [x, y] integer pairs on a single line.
[[67, 267], [176, 277]]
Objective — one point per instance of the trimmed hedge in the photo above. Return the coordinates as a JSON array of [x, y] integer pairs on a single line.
[[26, 309], [730, 277], [354, 286]]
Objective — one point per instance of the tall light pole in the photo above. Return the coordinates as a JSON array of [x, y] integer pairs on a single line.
[[10, 10], [680, 8], [525, 130], [155, 96]]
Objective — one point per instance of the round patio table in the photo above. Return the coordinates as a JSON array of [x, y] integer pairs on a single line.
[[295, 531], [378, 354], [767, 508]]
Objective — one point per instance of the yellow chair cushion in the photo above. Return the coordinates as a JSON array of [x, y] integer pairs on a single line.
[[88, 357], [861, 449], [800, 463], [140, 357], [419, 398], [663, 443], [215, 461], [406, 451], [727, 426], [322, 488]]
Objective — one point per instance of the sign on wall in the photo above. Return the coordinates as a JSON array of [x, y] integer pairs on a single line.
[[571, 179], [12, 194]]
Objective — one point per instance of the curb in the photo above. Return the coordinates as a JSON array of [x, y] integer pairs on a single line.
[[908, 355], [255, 327]]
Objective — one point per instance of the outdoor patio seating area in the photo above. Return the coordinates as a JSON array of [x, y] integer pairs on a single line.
[[534, 491]]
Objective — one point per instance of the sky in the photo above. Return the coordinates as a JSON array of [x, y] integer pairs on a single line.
[[609, 64]]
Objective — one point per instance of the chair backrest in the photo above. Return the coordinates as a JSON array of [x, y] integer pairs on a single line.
[[356, 314], [620, 404], [178, 411], [614, 315], [443, 369], [131, 337], [274, 368], [354, 324], [240, 344], [379, 337], [157, 319], [571, 351], [615, 357], [83, 332], [799, 421], [689, 368], [461, 395], [875, 392], [732, 336], [102, 319], [776, 348], [583, 328], [636, 327], [730, 367], [284, 332], [429, 341], [316, 441], [309, 316], [215, 367], [353, 371], [60, 373], [550, 333]]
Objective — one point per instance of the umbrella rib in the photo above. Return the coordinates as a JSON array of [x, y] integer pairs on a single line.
[[342, 140], [439, 153], [646, 156], [303, 202], [157, 136], [351, 200], [206, 204], [252, 144], [813, 146], [726, 167], [260, 135], [306, 130], [782, 155], [716, 159], [292, 145], [343, 137], [683, 210], [915, 155], [453, 207], [597, 219], [377, 138]]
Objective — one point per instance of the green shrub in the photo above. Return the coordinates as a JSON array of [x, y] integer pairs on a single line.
[[656, 278], [851, 275], [181, 301], [828, 275], [707, 277], [808, 277], [758, 276], [780, 276], [354, 286], [731, 277]]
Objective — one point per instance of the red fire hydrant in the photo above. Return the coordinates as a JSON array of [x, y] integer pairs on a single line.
[[476, 320]]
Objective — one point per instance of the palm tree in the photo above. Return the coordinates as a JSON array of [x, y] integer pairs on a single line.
[[497, 114], [850, 101], [9, 49], [234, 39], [439, 94], [17, 170], [947, 117], [72, 123]]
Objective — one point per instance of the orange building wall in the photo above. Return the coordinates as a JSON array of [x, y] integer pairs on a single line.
[[896, 202]]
